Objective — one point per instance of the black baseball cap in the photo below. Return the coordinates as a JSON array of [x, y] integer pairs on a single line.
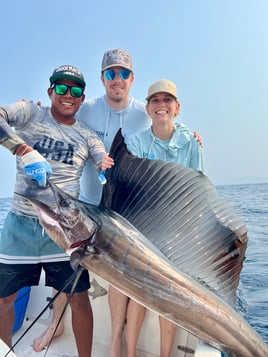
[[70, 72]]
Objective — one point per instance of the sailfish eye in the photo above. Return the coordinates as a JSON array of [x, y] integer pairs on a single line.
[[64, 202]]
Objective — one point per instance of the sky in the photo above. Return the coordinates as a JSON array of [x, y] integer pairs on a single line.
[[216, 52]]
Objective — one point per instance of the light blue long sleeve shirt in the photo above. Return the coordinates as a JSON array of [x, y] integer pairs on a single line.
[[97, 115]]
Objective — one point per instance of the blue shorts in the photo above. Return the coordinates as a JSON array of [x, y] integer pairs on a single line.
[[24, 250], [23, 240]]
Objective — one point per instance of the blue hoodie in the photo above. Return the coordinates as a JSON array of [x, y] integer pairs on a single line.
[[182, 148]]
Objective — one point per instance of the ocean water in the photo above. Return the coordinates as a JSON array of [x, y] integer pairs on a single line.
[[251, 203]]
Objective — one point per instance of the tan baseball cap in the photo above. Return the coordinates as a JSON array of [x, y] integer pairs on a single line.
[[163, 85]]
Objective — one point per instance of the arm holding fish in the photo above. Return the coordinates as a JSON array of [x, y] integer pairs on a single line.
[[97, 153], [107, 163], [101, 158], [35, 165]]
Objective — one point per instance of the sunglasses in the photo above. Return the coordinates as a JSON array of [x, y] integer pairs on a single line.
[[62, 89], [110, 74]]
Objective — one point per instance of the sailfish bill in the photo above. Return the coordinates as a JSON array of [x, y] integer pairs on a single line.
[[173, 245]]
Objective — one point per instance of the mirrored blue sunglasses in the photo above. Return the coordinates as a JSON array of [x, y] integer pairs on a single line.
[[110, 74], [62, 89]]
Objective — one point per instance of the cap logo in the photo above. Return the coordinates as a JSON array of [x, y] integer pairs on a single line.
[[68, 70]]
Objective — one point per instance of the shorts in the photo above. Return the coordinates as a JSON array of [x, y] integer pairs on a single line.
[[16, 276], [23, 240], [24, 250]]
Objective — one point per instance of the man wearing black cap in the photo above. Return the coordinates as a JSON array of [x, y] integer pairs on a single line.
[[105, 115], [47, 142]]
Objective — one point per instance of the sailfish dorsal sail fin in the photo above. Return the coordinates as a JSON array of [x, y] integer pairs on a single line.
[[179, 210]]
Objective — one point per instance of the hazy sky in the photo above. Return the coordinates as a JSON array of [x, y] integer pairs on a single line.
[[216, 51]]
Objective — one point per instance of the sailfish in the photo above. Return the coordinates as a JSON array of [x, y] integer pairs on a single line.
[[163, 236]]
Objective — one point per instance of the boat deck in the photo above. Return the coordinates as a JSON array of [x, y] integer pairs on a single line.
[[64, 346]]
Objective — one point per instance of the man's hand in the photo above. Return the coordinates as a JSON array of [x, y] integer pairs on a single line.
[[36, 167], [107, 162]]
